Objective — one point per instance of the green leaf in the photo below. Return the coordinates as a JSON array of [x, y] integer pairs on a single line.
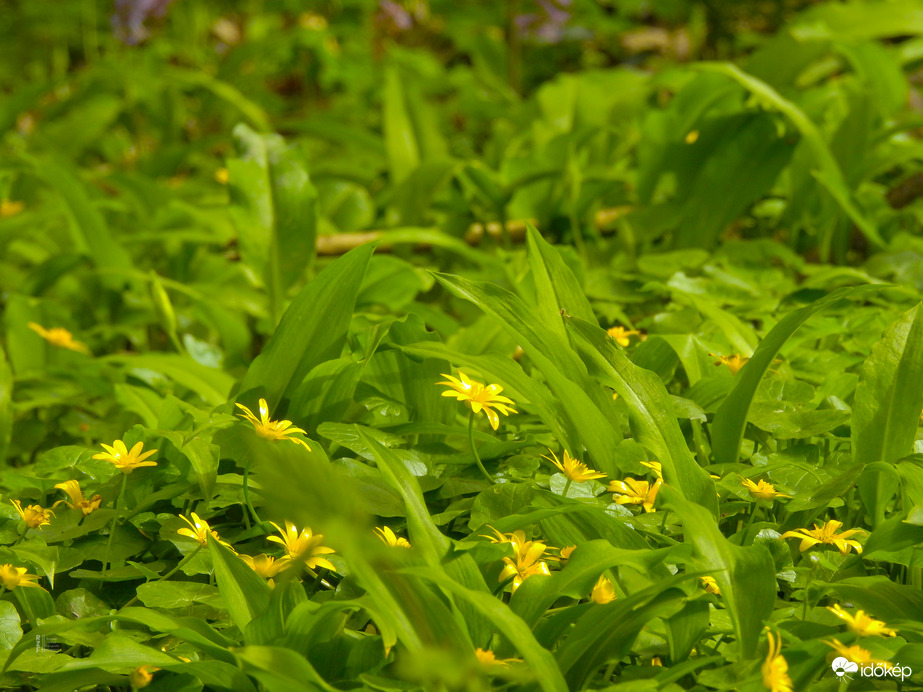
[[118, 652], [280, 670], [425, 535], [731, 419], [312, 330], [171, 594], [10, 626], [244, 591], [191, 629], [585, 564], [540, 661], [6, 405], [745, 161], [886, 412], [88, 226], [745, 575], [211, 384], [828, 170], [556, 287], [277, 210], [650, 408]]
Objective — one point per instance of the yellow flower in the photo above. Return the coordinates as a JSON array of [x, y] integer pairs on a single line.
[[711, 586], [499, 537], [72, 488], [126, 461], [60, 337], [734, 363], [656, 661], [266, 566], [621, 335], [142, 676], [479, 397], [634, 492], [312, 22], [274, 430], [34, 515], [761, 490], [488, 660], [566, 552], [775, 668], [527, 560], [654, 466], [574, 470], [222, 176], [603, 591], [826, 534], [857, 654], [861, 624], [387, 535], [8, 208], [303, 545], [692, 136], [198, 531], [12, 577]]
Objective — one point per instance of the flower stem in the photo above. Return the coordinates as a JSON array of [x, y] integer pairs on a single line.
[[743, 540], [474, 450], [256, 517], [567, 487], [115, 518]]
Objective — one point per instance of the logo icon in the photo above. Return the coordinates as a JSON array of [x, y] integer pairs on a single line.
[[841, 666]]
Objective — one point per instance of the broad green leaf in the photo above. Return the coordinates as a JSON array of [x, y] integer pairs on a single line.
[[35, 603], [191, 629], [686, 627], [172, 594], [10, 626], [556, 287], [6, 405], [400, 138], [211, 384], [223, 90], [586, 563], [280, 670], [312, 330], [276, 208], [411, 127], [745, 575], [882, 597], [607, 632], [892, 535], [540, 661], [119, 651], [244, 591], [425, 535], [651, 411], [731, 419], [741, 167], [88, 226], [828, 170], [886, 412]]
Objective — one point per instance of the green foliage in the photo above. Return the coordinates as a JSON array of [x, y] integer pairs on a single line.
[[459, 347]]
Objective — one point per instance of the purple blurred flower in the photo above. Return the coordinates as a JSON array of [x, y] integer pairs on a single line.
[[129, 17], [548, 25], [394, 14]]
